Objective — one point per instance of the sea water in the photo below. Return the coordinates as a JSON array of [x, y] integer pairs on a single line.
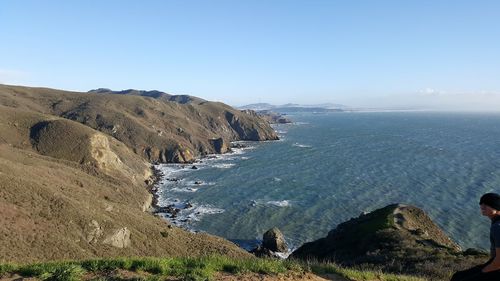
[[328, 168]]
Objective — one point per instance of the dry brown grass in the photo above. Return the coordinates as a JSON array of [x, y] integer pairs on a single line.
[[158, 130], [66, 188]]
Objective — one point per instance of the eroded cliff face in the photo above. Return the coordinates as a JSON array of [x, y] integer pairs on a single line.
[[160, 128], [397, 238]]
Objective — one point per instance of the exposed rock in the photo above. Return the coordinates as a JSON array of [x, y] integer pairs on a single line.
[[273, 243], [194, 167], [475, 252], [180, 155], [219, 145], [250, 131], [238, 145], [147, 203], [119, 239], [94, 232], [274, 240], [262, 252]]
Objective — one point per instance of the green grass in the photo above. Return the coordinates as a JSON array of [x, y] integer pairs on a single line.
[[189, 269], [359, 275]]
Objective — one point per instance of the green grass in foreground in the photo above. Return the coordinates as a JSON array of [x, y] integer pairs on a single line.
[[185, 268], [359, 275]]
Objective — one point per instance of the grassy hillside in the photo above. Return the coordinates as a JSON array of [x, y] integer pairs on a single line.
[[65, 194], [74, 167], [156, 129]]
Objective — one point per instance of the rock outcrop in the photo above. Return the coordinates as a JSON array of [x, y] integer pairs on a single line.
[[274, 240], [396, 238], [273, 245], [94, 232], [220, 146], [119, 239]]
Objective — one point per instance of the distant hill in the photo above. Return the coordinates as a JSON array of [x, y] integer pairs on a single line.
[[258, 106], [291, 107], [183, 99]]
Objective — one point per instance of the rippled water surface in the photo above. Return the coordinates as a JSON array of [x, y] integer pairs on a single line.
[[330, 167]]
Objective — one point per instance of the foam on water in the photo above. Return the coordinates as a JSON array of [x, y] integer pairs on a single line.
[[301, 145], [178, 181], [281, 203], [224, 165]]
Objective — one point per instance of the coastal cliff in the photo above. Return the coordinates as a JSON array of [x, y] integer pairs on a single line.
[[75, 168]]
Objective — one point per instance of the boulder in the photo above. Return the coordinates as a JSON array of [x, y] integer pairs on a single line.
[[273, 244], [274, 240], [119, 239]]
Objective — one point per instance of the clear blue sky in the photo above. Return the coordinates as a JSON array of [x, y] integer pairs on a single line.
[[360, 53]]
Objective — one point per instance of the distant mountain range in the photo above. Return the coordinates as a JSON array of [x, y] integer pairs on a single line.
[[295, 107], [322, 107]]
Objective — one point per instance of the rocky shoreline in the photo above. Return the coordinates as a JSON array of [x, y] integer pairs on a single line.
[[171, 211]]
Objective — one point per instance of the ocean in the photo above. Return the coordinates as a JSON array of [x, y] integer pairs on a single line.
[[330, 167]]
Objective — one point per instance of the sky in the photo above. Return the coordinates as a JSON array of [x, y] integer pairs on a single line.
[[424, 54]]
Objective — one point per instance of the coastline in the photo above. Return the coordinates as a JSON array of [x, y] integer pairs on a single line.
[[171, 211], [152, 187], [181, 213]]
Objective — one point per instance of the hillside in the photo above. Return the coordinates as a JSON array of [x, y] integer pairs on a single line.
[[74, 168], [396, 238], [156, 129]]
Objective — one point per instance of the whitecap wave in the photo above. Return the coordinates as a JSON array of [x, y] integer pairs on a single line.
[[223, 165], [301, 145], [184, 189], [199, 212], [282, 203]]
